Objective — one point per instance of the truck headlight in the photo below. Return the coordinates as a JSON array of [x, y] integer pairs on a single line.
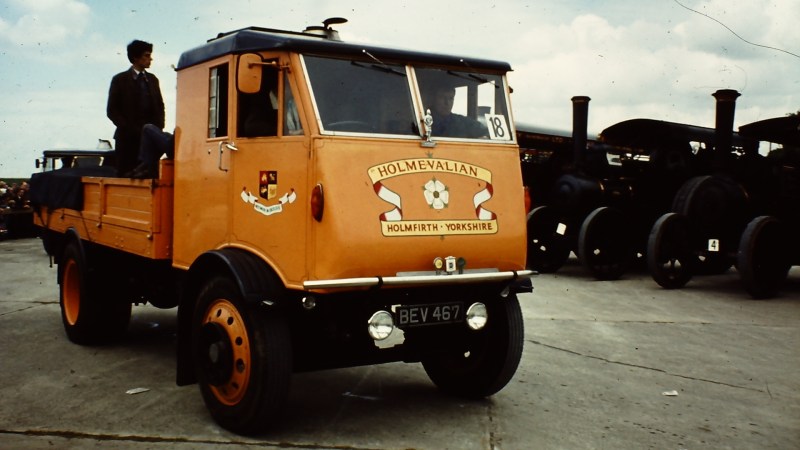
[[477, 316], [380, 325]]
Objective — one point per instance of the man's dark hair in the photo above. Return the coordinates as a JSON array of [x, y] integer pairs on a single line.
[[138, 48]]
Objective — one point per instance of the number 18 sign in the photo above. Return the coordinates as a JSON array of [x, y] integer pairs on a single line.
[[498, 127]]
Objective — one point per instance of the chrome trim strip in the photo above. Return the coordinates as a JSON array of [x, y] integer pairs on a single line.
[[423, 280]]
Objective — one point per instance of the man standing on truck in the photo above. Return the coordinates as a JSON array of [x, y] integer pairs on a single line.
[[134, 99]]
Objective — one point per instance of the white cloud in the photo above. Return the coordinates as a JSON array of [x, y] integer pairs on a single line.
[[663, 67], [46, 22], [738, 29]]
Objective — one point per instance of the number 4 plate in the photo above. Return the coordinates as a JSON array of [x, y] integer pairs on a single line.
[[418, 315]]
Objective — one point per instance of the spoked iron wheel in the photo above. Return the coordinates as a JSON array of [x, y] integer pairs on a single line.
[[548, 246], [669, 256], [605, 244], [763, 260], [717, 207]]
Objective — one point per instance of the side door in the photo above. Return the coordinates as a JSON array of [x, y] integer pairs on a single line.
[[269, 165]]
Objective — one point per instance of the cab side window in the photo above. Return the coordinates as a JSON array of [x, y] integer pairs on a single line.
[[218, 102], [291, 121]]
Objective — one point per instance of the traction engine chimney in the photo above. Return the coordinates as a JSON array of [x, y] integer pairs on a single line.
[[580, 119]]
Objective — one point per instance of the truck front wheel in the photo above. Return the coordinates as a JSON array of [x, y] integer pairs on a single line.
[[89, 313], [242, 358], [489, 359]]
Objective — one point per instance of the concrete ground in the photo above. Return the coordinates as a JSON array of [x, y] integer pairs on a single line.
[[617, 365]]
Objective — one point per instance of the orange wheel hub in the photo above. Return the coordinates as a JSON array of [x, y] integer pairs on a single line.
[[227, 348], [71, 292]]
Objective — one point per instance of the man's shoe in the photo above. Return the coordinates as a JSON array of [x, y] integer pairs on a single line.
[[136, 171], [144, 172]]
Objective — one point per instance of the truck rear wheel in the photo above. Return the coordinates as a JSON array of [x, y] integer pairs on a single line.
[[90, 315], [489, 359], [242, 358]]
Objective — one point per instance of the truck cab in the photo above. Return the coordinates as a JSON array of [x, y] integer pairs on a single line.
[[316, 154], [330, 204]]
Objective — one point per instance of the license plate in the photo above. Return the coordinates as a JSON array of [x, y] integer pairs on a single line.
[[418, 315]]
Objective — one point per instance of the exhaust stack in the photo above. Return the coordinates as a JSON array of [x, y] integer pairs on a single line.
[[580, 119], [723, 128]]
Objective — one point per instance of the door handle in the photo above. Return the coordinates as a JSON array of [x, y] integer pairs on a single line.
[[231, 146]]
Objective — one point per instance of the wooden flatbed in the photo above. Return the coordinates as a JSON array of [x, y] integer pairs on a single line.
[[131, 215]]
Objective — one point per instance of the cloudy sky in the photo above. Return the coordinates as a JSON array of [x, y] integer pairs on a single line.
[[634, 58]]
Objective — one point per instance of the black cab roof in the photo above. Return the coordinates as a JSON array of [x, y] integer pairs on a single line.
[[253, 39]]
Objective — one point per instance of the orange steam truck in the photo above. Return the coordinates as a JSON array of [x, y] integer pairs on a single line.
[[322, 210]]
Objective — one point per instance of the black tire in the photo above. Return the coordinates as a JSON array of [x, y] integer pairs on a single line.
[[89, 311], [489, 359], [669, 256], [605, 245], [763, 261], [242, 356], [548, 247]]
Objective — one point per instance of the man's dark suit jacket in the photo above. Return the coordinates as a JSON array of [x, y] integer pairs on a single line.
[[123, 105]]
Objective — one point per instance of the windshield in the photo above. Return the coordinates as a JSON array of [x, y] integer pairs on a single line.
[[369, 96], [464, 104], [361, 96]]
